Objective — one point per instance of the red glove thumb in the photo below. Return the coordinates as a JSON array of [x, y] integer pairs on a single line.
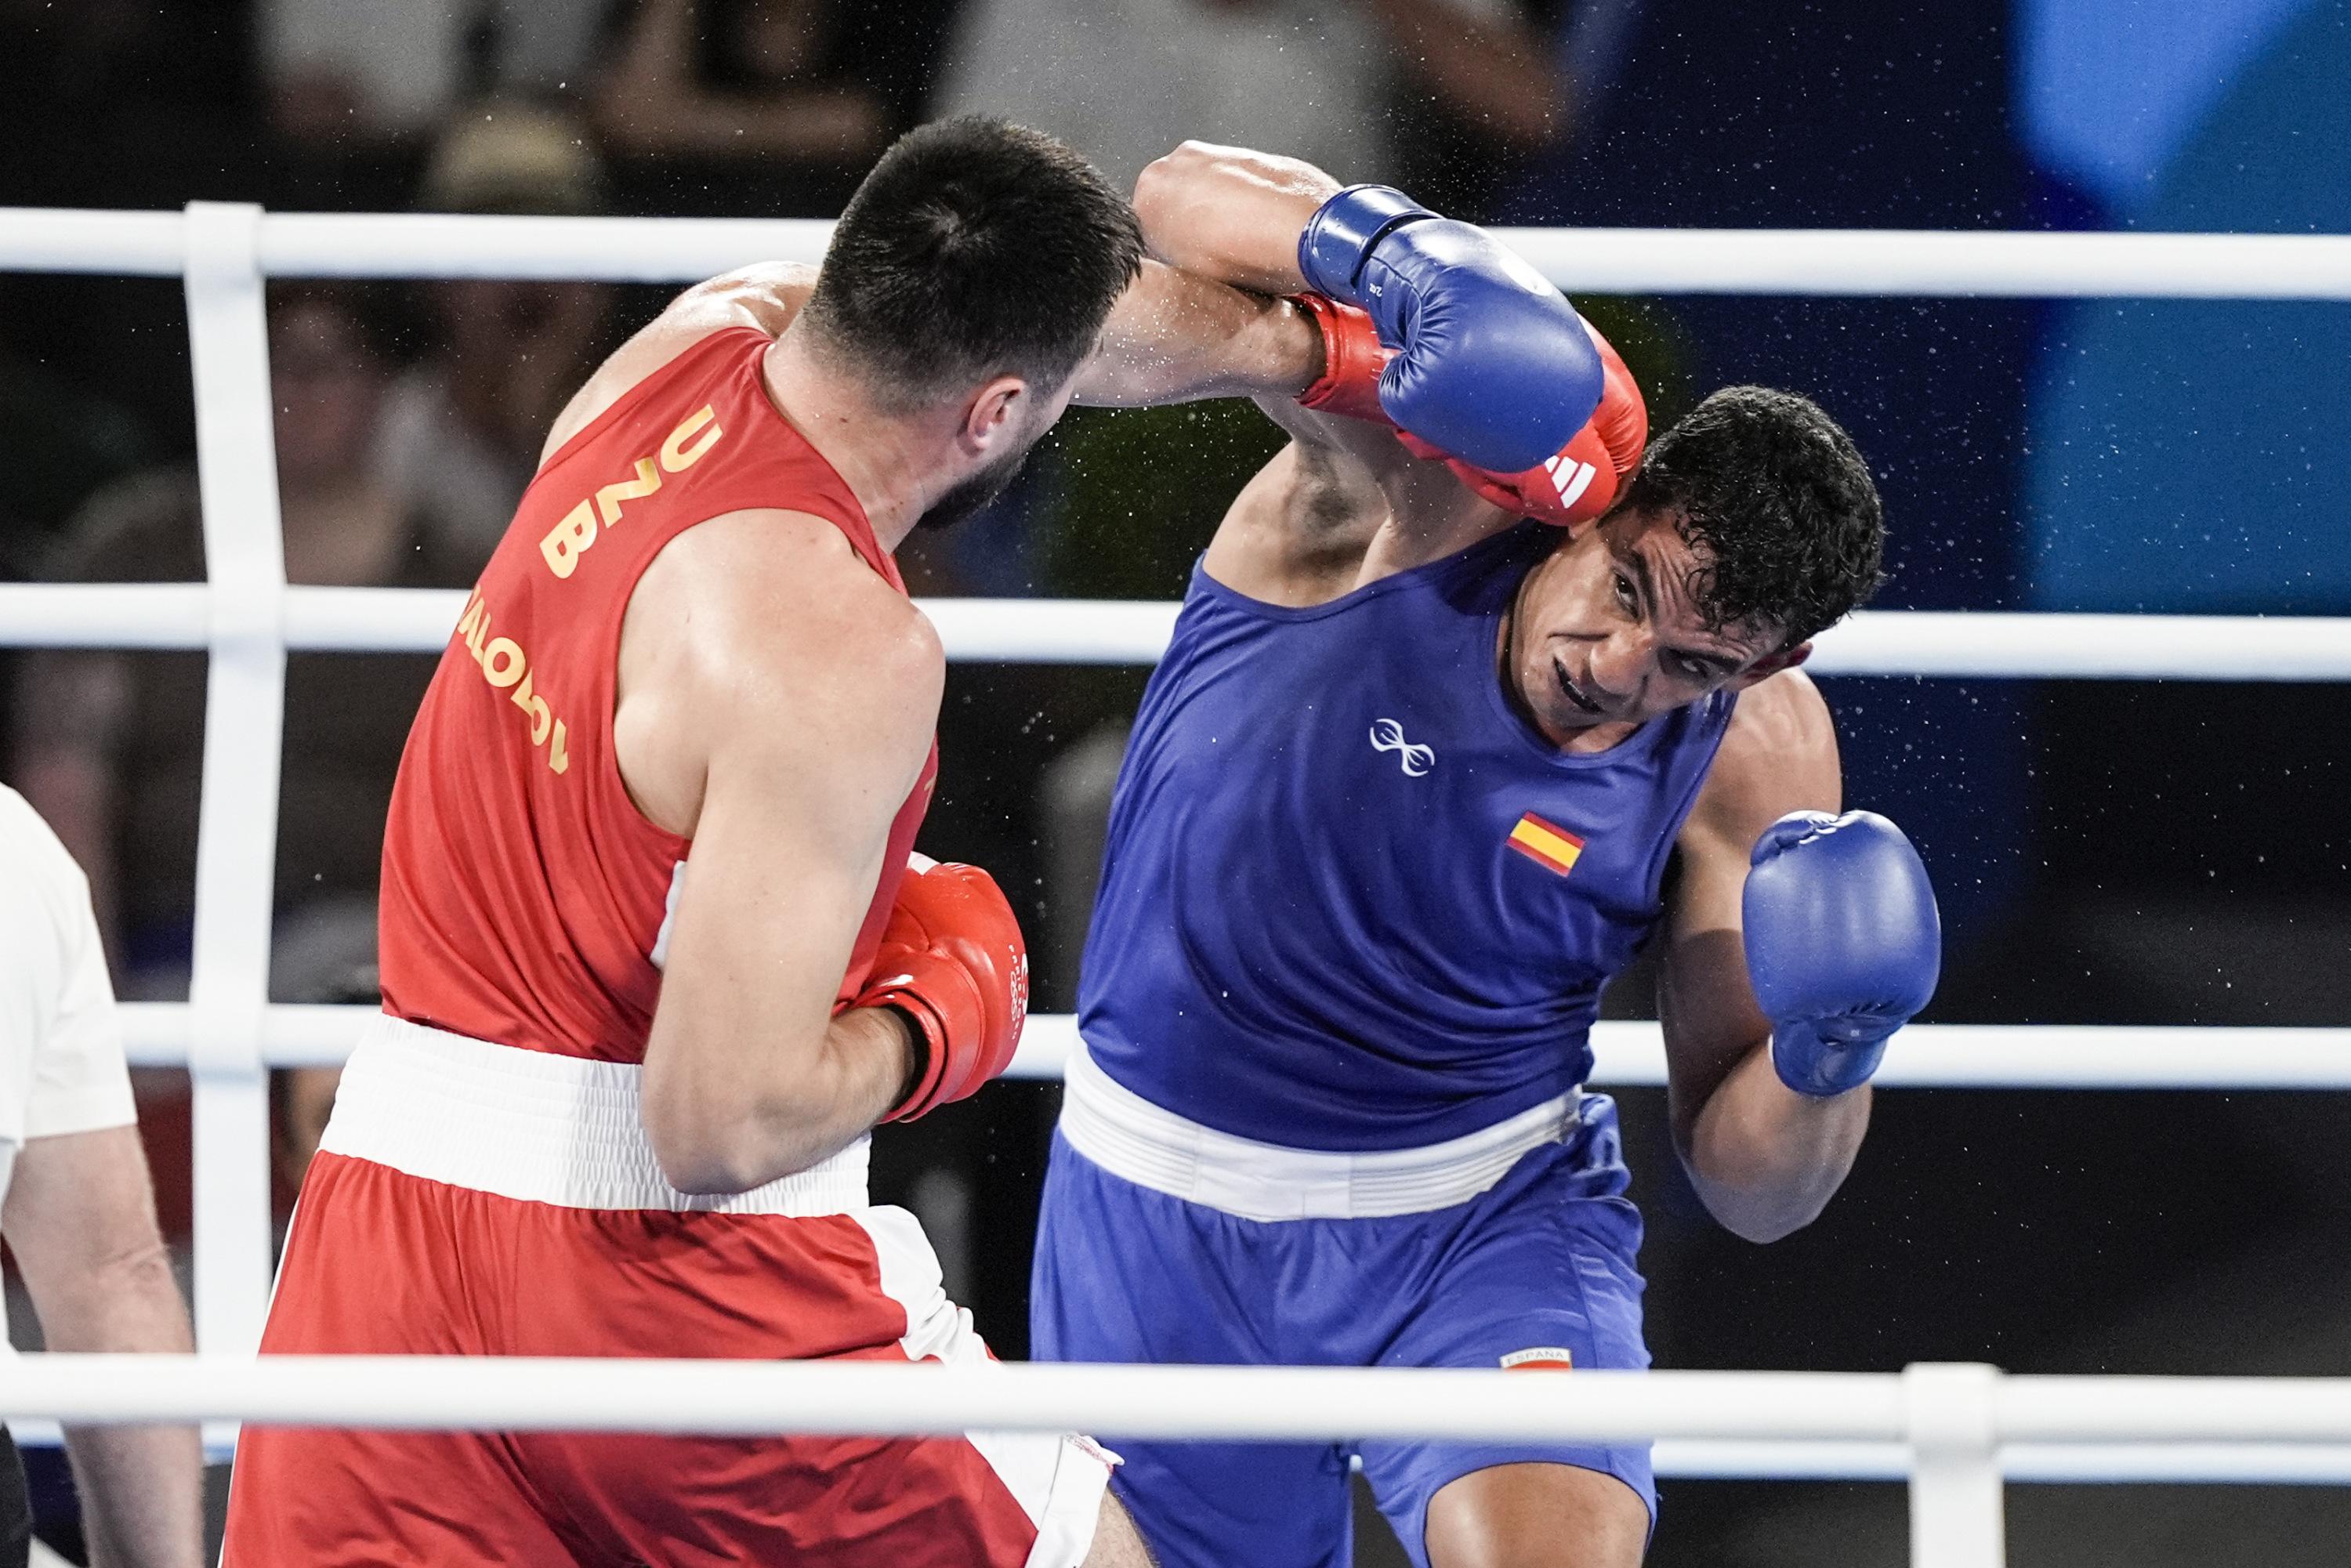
[[952, 959], [1353, 359], [1588, 473]]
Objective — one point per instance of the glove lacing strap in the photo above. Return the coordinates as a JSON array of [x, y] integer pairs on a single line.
[[925, 1065], [1328, 218]]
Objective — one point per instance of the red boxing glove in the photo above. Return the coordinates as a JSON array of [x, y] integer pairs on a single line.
[[1579, 483], [952, 960], [1353, 359]]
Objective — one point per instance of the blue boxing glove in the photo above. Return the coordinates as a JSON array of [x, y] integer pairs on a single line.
[[1843, 943], [1493, 364]]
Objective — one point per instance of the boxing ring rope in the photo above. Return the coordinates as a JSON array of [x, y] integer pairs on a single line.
[[1965, 644], [2041, 1423], [1953, 1430], [1626, 1054], [1868, 262]]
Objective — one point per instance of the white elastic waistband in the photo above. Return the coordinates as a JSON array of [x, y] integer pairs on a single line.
[[1129, 1136], [534, 1126]]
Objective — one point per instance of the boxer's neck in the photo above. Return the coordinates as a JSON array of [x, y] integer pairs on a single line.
[[891, 462]]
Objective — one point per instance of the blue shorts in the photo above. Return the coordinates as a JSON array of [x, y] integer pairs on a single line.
[[1544, 1259]]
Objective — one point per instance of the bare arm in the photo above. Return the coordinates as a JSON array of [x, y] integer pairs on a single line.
[[1764, 1159], [803, 733], [1178, 337], [1346, 503], [1230, 213], [1171, 338], [80, 1217]]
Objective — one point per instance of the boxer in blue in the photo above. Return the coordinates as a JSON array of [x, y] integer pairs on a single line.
[[1415, 779]]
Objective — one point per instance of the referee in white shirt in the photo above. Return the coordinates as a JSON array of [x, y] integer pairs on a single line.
[[75, 1205]]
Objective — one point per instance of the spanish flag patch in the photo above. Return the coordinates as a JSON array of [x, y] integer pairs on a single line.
[[1554, 849]]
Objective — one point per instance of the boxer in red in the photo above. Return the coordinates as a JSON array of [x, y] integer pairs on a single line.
[[617, 1101]]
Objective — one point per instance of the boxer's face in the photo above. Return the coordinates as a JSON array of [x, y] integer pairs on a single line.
[[1607, 634]]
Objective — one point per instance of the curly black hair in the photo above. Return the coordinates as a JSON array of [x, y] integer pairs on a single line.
[[1777, 505]]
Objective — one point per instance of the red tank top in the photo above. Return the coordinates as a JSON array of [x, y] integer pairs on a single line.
[[526, 899]]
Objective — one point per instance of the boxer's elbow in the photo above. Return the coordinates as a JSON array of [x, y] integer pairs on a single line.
[[1764, 1191], [1763, 1183], [702, 1171], [1170, 177], [1202, 206], [698, 1156], [705, 1137], [1170, 189], [1761, 1217]]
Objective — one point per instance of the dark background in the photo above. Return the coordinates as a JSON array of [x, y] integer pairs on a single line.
[[2106, 853]]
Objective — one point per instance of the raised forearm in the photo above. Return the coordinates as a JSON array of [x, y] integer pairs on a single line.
[[1764, 1159], [1230, 213], [1177, 337]]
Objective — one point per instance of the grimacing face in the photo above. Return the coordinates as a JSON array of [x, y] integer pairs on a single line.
[[1605, 635]]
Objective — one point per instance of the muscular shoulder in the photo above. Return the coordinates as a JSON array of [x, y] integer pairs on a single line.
[[758, 646], [1780, 717], [766, 597], [766, 297], [1779, 755]]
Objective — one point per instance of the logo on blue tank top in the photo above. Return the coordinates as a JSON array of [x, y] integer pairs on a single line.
[[1351, 898], [1387, 734]]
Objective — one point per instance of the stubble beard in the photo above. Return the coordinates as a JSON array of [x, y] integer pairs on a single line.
[[973, 492]]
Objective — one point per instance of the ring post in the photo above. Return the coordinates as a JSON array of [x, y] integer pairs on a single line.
[[1957, 1518], [237, 836]]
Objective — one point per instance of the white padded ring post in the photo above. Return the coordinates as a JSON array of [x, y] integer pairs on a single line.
[[1957, 1518], [236, 825]]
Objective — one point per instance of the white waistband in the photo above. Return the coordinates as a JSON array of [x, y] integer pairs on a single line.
[[1129, 1136], [534, 1126]]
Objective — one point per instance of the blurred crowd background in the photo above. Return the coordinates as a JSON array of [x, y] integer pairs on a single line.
[[2105, 852]]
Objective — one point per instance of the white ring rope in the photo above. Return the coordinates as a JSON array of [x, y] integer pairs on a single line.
[[1763, 1425], [1925, 1055], [1254, 1403], [1750, 1458], [1867, 262], [1977, 644]]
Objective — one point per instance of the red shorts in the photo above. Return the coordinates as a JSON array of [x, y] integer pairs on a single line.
[[384, 1260]]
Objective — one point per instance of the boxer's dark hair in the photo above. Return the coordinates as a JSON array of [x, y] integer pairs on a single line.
[[974, 249], [1777, 505]]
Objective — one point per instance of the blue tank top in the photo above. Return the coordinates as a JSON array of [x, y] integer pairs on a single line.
[[1352, 899]]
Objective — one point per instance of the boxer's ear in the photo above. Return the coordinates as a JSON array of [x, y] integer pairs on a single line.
[[1771, 664], [993, 416]]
